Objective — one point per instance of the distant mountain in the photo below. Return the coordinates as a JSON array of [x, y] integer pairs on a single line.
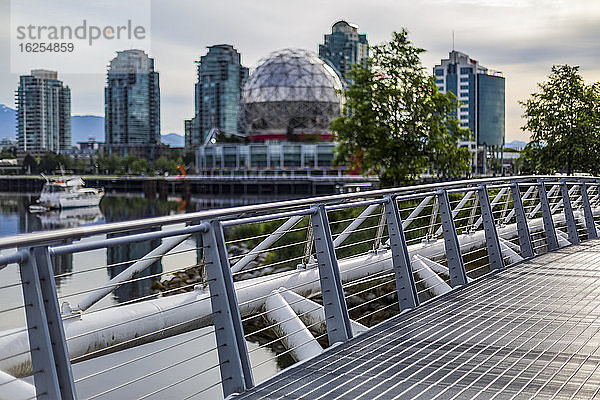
[[516, 144], [173, 140], [8, 122], [84, 127]]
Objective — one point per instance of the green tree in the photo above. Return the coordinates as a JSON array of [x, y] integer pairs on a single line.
[[395, 122], [164, 164], [127, 163], [30, 165], [6, 154], [532, 160], [139, 167], [109, 165], [80, 165], [64, 161], [563, 118], [48, 163]]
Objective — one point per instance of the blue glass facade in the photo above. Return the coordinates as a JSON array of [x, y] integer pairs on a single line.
[[217, 94], [132, 106], [491, 110], [481, 97], [481, 108]]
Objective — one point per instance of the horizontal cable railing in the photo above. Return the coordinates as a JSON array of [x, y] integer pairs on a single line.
[[215, 301]]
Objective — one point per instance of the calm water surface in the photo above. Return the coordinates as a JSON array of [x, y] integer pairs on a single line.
[[78, 273]]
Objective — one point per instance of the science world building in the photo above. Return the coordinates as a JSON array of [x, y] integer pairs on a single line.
[[286, 107]]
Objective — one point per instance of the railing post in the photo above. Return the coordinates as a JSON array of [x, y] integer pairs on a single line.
[[551, 239], [334, 302], [405, 281], [489, 228], [521, 218], [236, 374], [587, 212], [568, 210], [456, 267], [51, 365]]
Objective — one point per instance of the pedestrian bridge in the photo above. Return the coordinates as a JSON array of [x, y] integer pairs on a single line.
[[479, 288], [531, 331]]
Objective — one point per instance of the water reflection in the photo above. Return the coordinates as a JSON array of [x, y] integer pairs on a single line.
[[123, 208], [119, 258], [16, 218], [62, 266], [70, 217]]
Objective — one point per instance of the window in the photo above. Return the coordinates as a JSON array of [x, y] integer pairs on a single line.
[[464, 70], [438, 81], [464, 109], [439, 72], [464, 79], [464, 87]]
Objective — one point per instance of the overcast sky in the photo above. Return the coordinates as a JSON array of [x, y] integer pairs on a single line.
[[521, 38]]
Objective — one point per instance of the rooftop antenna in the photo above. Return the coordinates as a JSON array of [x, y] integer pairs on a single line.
[[452, 39]]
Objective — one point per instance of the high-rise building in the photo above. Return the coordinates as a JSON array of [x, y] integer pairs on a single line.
[[43, 113], [132, 106], [481, 94], [344, 46], [217, 94]]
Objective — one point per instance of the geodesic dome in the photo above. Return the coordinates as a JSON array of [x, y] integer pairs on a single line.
[[292, 92]]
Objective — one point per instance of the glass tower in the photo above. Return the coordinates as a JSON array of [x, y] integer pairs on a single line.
[[482, 97], [344, 46], [43, 113], [217, 94], [132, 106]]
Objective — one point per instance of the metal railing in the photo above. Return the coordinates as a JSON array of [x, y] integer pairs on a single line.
[[246, 288]]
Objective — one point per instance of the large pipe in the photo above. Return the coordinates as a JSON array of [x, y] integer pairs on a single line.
[[313, 314], [289, 328], [435, 284], [106, 331], [12, 388], [509, 252]]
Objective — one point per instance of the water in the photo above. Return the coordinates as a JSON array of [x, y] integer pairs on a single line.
[[173, 359]]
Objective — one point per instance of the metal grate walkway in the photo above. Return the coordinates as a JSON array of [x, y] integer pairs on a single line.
[[529, 331]]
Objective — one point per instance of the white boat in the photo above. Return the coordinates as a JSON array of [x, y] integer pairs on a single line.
[[68, 192]]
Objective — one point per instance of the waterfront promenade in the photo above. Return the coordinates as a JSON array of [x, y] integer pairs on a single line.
[[294, 183]]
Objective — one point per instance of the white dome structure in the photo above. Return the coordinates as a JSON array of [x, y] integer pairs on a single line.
[[292, 92]]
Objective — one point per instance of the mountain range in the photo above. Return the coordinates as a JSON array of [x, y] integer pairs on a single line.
[[83, 127], [516, 144]]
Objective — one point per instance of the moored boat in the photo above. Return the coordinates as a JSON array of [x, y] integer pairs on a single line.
[[68, 192]]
